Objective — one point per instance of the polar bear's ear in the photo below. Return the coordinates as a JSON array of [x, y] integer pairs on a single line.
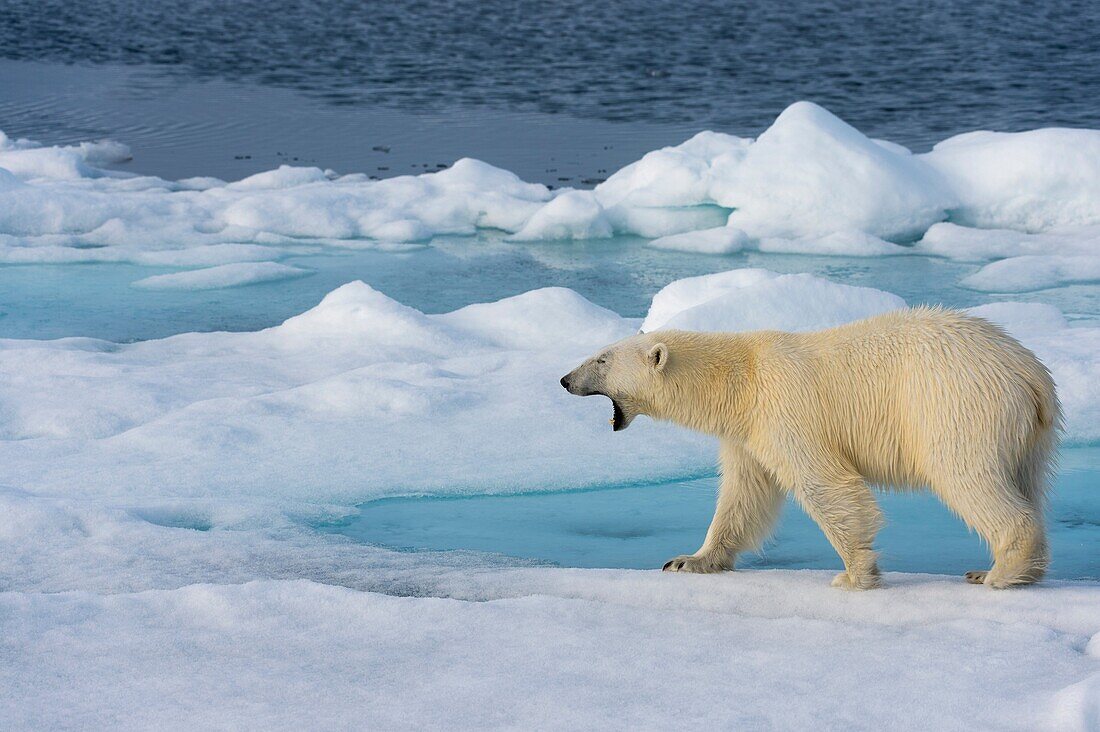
[[658, 356]]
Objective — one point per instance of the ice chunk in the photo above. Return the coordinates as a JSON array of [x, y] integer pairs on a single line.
[[1035, 272], [720, 240], [105, 152], [838, 243], [30, 160], [45, 163], [653, 223], [224, 275]]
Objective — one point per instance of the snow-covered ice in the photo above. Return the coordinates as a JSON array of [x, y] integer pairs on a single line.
[[131, 474]]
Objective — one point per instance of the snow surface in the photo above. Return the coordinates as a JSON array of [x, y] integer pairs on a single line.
[[557, 649]]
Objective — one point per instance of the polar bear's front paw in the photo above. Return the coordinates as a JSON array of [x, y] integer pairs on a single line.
[[977, 577], [866, 581], [697, 564]]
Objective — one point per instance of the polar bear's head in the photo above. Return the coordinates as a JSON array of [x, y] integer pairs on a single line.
[[631, 373]]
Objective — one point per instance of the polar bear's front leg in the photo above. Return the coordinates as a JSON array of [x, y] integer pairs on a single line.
[[843, 507], [749, 502]]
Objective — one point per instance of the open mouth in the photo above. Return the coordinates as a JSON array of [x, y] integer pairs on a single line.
[[618, 420]]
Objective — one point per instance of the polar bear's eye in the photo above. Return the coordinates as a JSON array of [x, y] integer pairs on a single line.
[[601, 359]]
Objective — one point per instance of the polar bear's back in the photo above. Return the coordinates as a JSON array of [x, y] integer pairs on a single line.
[[929, 354], [903, 394]]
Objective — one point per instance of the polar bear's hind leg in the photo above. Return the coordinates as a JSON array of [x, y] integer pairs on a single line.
[[1010, 523]]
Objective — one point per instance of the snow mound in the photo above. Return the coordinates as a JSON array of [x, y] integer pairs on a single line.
[[753, 299], [356, 313], [224, 275], [1022, 319], [1076, 708], [811, 173]]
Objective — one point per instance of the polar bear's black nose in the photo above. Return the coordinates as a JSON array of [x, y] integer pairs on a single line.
[[565, 381]]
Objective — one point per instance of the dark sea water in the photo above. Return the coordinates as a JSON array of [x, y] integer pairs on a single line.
[[910, 72]]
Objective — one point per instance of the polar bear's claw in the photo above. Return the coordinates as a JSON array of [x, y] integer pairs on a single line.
[[695, 564], [977, 577]]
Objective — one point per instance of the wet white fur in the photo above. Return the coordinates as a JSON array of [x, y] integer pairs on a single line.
[[925, 397]]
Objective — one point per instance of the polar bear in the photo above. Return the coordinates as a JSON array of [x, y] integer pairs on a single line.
[[922, 397]]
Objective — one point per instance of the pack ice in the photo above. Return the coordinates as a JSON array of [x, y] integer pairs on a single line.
[[810, 183]]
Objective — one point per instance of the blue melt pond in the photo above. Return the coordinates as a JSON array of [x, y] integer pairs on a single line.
[[642, 526]]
